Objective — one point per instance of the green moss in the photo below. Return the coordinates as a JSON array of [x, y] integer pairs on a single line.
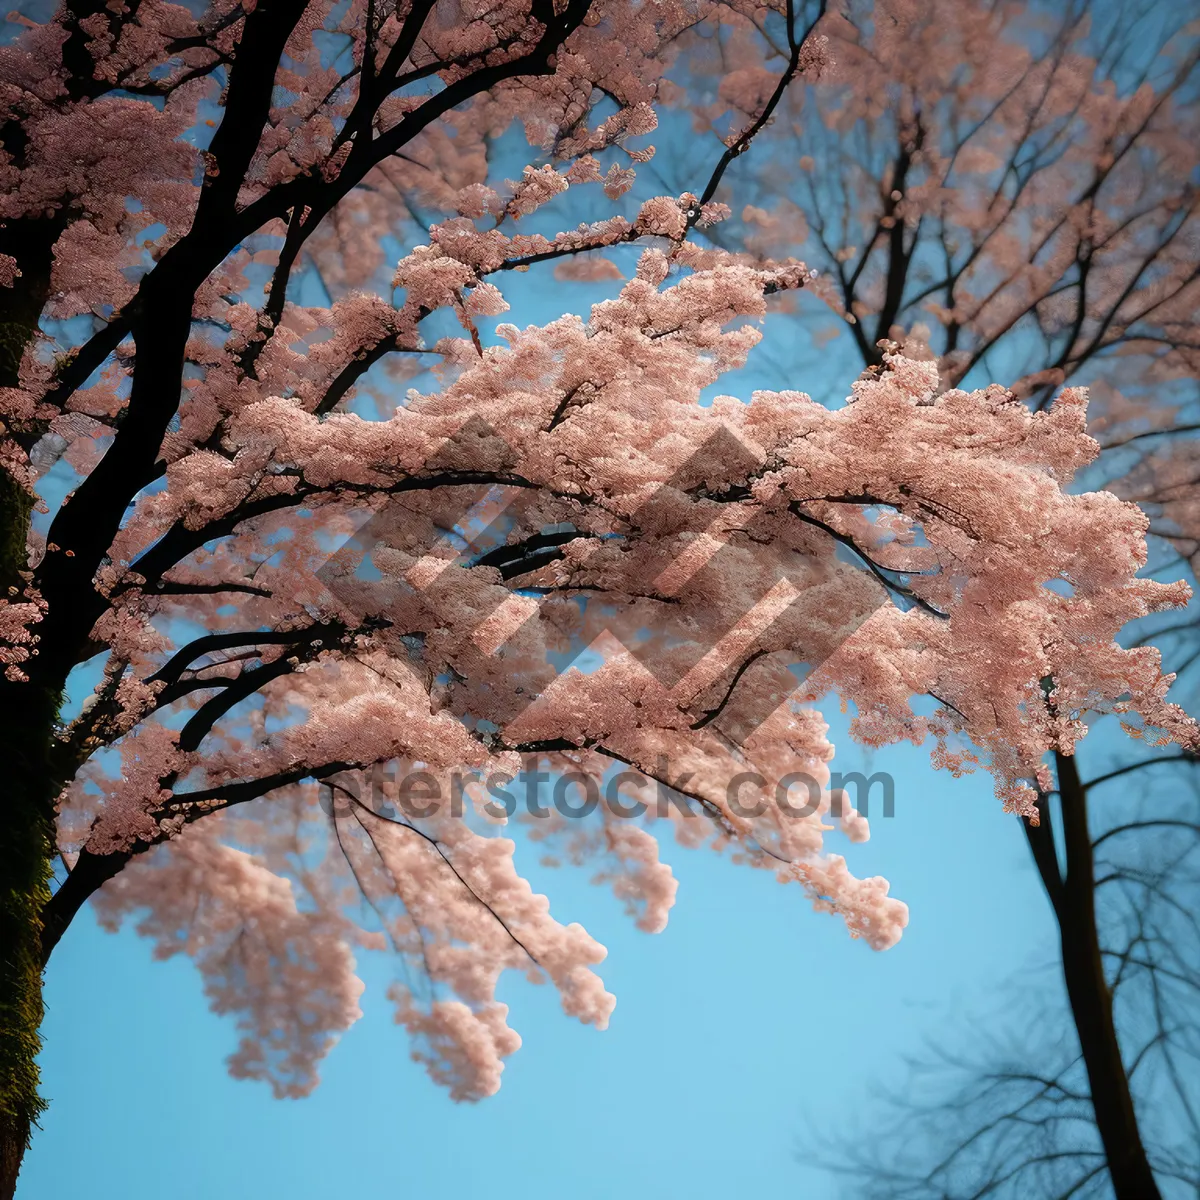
[[26, 855], [23, 893], [16, 509]]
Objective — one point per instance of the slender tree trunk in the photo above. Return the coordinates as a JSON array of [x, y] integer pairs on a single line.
[[1091, 999], [1073, 896]]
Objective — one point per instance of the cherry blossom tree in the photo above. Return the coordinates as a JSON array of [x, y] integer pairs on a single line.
[[1010, 190], [293, 598]]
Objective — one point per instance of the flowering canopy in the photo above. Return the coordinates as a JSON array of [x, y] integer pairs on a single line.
[[287, 600]]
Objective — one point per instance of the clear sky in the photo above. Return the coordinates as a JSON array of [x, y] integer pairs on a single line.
[[750, 1026]]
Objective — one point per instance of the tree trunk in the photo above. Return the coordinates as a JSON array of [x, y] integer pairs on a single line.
[[1073, 896], [26, 849], [27, 715]]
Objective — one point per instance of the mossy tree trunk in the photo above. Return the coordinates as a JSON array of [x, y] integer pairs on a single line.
[[28, 711]]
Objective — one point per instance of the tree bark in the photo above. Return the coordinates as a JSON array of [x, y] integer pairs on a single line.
[[1073, 896], [27, 715], [26, 847]]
